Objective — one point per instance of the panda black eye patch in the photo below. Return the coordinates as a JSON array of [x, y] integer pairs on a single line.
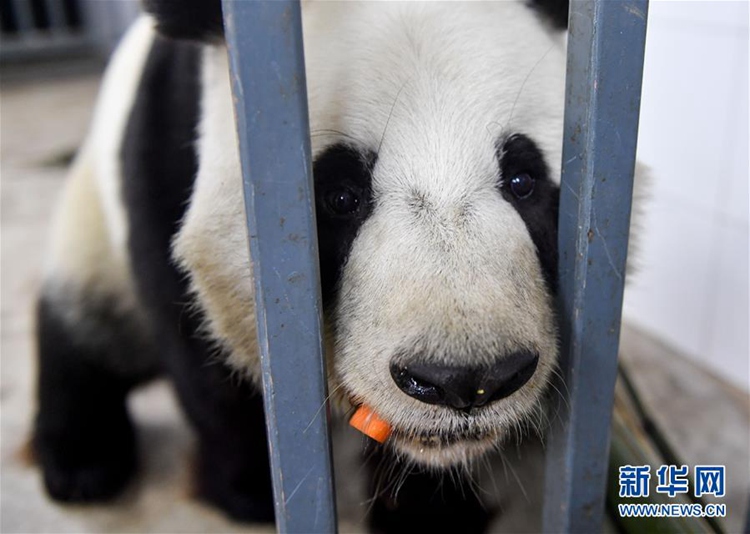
[[343, 201], [525, 183], [521, 165]]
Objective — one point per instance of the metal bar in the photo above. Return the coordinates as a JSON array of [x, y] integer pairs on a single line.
[[56, 17], [24, 17], [604, 71], [268, 76]]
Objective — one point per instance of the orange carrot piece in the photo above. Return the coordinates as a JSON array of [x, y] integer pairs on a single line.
[[367, 422]]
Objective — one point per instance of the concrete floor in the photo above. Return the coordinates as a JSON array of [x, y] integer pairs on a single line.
[[42, 121]]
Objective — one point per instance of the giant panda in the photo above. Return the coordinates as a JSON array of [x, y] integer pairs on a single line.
[[436, 137]]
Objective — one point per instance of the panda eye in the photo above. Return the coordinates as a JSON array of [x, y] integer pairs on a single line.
[[522, 185], [342, 202]]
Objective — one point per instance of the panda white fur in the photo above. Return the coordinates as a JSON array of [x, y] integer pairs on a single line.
[[436, 135]]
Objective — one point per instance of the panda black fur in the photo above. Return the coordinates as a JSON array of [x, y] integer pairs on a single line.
[[428, 121]]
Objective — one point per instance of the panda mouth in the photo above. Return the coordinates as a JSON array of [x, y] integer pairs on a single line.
[[438, 440], [435, 445], [443, 449]]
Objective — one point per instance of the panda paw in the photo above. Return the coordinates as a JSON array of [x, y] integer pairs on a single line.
[[81, 469], [86, 483], [242, 508], [242, 494]]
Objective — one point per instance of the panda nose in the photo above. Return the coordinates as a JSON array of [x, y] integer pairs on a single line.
[[464, 388]]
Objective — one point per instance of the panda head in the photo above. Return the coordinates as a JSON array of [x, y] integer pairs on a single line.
[[436, 132]]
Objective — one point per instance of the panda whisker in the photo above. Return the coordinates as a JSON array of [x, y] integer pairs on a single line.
[[461, 481], [404, 474], [467, 475], [378, 478], [395, 479], [377, 481], [406, 468], [517, 431], [523, 84], [383, 475], [488, 467], [556, 372], [552, 384], [390, 114], [322, 405], [515, 476], [542, 420], [474, 484]]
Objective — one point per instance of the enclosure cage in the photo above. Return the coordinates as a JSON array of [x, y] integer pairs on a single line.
[[51, 29]]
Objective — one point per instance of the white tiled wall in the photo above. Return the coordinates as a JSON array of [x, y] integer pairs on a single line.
[[692, 288]]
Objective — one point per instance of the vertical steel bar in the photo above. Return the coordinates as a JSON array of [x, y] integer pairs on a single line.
[[265, 49], [56, 15], [605, 65], [24, 17]]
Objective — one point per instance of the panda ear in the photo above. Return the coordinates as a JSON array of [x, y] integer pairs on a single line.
[[197, 20], [555, 11]]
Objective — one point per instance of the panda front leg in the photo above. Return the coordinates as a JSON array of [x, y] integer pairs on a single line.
[[83, 438], [232, 470], [422, 500], [93, 348]]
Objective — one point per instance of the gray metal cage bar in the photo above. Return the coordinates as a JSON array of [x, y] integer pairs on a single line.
[[603, 90], [56, 14], [50, 31], [268, 75], [24, 17]]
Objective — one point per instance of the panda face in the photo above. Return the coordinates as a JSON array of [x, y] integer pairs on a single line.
[[417, 275], [437, 218], [436, 135]]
